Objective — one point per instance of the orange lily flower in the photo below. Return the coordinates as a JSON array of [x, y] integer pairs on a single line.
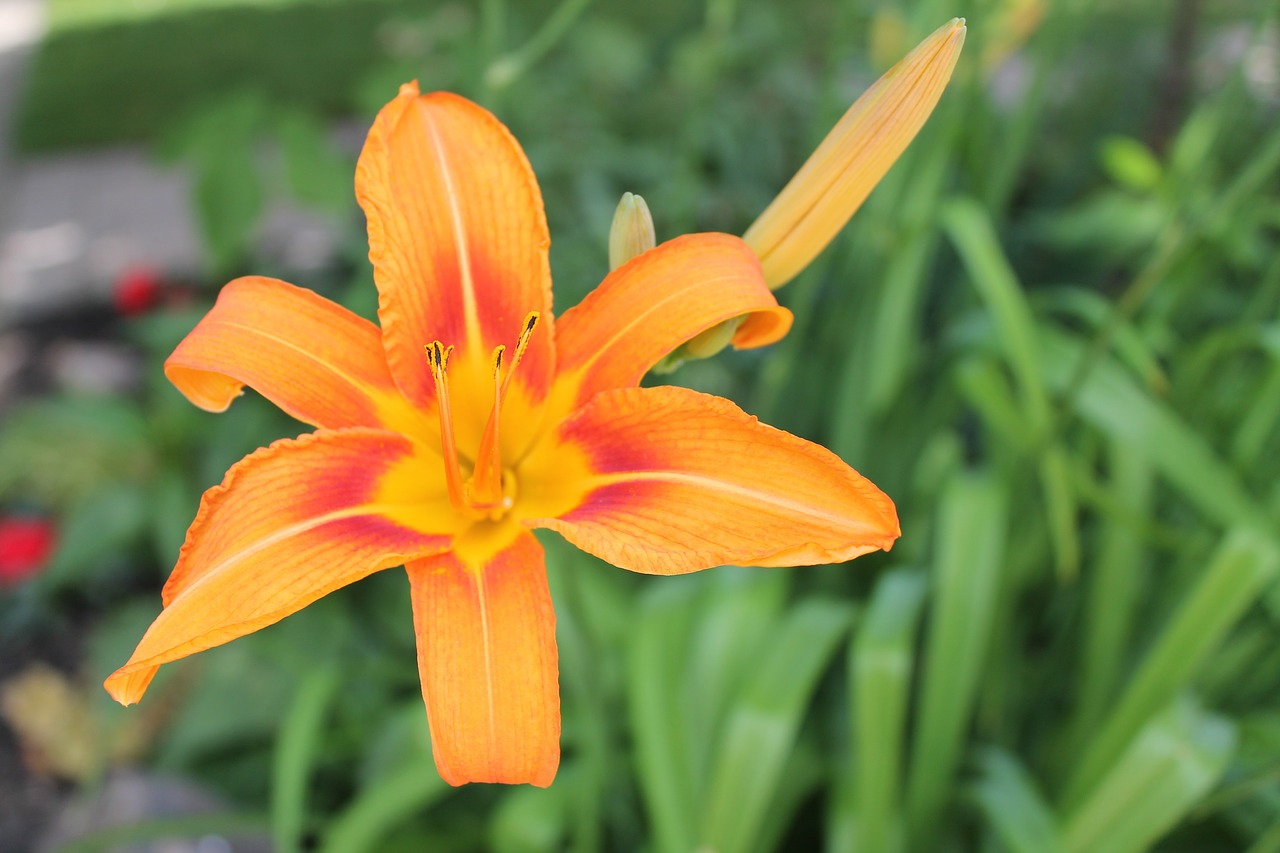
[[470, 418]]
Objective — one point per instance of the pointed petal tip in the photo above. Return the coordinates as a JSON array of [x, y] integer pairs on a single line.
[[128, 683]]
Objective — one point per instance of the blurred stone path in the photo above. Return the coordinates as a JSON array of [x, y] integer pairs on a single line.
[[70, 224]]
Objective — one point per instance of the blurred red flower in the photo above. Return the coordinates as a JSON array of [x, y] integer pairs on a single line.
[[137, 291], [25, 546]]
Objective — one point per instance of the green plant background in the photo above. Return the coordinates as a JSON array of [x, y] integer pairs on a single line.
[[1052, 335]]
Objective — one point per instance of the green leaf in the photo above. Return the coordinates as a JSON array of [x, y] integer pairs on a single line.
[[1246, 561], [761, 729], [59, 452], [1013, 805], [1114, 404], [1114, 585], [971, 230], [228, 200], [219, 142], [173, 506], [1130, 163], [299, 742], [880, 672], [318, 173], [101, 526], [969, 552], [530, 820], [383, 806], [737, 622], [1172, 762], [662, 628]]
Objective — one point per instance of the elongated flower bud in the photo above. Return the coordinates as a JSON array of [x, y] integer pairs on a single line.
[[632, 231], [856, 154]]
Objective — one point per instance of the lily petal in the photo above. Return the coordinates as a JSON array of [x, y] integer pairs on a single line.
[[290, 523], [487, 658], [313, 358], [675, 481], [654, 303], [856, 154], [458, 240]]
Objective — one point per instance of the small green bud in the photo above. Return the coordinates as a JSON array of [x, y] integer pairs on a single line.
[[712, 340], [632, 231], [702, 345]]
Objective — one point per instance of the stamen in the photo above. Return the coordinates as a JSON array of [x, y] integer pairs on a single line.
[[486, 480], [438, 358], [522, 343], [485, 486]]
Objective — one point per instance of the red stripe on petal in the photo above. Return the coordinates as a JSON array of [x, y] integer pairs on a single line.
[[457, 237], [675, 481], [289, 524]]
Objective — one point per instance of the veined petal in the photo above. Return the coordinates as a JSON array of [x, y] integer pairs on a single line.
[[290, 523], [458, 240], [313, 358], [656, 302], [673, 481], [856, 154], [487, 658]]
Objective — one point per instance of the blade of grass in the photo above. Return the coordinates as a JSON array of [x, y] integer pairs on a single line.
[[663, 623], [894, 335], [1260, 422], [379, 809], [761, 729], [1245, 562], [298, 744], [969, 551], [1114, 584], [894, 339], [584, 687], [804, 772], [738, 613], [880, 671], [1007, 796], [1173, 762], [116, 838], [971, 231], [1112, 402], [1268, 841], [985, 387], [508, 69]]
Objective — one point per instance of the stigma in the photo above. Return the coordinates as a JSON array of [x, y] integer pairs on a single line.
[[489, 492]]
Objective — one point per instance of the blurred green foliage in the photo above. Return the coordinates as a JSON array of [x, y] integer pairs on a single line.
[[1052, 335]]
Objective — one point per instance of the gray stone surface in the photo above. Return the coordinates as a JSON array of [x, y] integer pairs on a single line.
[[70, 224], [74, 223]]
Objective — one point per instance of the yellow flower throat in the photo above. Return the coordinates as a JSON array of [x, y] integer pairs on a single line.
[[490, 492]]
